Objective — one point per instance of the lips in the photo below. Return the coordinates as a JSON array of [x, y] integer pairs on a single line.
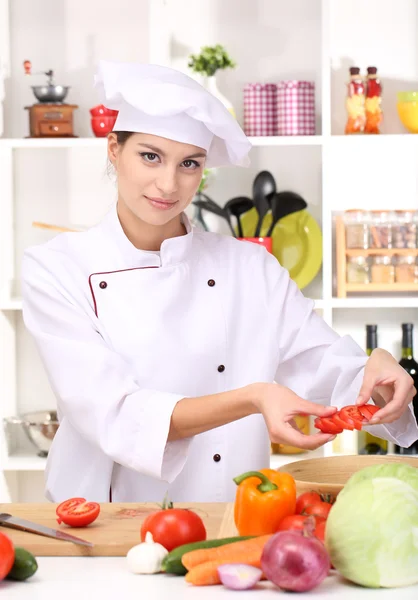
[[161, 203]]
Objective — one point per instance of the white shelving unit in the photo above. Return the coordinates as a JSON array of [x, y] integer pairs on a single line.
[[63, 180]]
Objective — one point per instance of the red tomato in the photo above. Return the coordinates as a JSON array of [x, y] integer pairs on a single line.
[[7, 555], [368, 410], [352, 416], [296, 522], [76, 512], [320, 509], [327, 425], [305, 500], [173, 527], [340, 423], [320, 531]]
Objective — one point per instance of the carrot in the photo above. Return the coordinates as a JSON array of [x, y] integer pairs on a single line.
[[207, 573], [233, 553]]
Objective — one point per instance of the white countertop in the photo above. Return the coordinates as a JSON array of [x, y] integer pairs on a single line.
[[69, 578]]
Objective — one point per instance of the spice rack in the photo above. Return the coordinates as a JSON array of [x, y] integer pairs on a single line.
[[375, 269]]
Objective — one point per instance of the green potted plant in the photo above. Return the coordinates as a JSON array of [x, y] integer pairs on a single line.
[[210, 60]]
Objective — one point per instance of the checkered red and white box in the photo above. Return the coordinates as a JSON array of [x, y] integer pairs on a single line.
[[260, 109], [295, 108]]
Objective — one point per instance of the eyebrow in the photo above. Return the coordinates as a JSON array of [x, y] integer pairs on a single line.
[[159, 151]]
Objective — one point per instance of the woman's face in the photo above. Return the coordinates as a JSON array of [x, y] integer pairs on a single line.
[[157, 177]]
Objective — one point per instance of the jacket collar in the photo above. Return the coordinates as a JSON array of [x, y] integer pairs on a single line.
[[173, 250]]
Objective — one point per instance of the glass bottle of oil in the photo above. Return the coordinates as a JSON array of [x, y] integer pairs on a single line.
[[368, 443]]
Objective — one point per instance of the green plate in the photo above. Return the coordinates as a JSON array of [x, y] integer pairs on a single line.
[[297, 243]]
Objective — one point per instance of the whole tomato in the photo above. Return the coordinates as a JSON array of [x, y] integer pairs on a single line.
[[7, 555], [320, 509], [173, 527], [305, 500], [293, 522]]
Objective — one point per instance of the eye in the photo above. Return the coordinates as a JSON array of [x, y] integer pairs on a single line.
[[191, 164], [150, 156]]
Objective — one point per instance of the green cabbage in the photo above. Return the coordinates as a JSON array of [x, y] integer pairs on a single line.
[[372, 529]]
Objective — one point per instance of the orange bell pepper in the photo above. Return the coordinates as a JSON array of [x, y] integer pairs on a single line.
[[263, 499]]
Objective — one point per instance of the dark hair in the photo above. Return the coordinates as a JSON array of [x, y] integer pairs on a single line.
[[123, 136]]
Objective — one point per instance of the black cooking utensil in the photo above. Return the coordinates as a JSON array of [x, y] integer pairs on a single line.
[[237, 207], [283, 204], [264, 187], [216, 210]]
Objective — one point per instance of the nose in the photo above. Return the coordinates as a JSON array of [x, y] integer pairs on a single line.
[[167, 181]]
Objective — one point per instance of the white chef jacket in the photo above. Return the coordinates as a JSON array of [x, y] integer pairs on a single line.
[[125, 334]]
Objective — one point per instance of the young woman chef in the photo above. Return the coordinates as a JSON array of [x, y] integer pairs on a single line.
[[177, 355]]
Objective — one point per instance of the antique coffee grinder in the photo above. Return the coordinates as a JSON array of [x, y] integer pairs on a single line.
[[50, 116]]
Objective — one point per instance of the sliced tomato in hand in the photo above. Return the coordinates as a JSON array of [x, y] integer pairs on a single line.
[[327, 425], [340, 423], [7, 555], [76, 512], [368, 411], [320, 509], [352, 416], [305, 500]]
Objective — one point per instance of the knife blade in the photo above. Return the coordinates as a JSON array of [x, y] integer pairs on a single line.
[[18, 523]]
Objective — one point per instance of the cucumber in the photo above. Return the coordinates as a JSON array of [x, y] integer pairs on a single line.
[[24, 566], [172, 561]]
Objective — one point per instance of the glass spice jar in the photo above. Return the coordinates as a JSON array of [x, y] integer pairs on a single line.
[[383, 270], [406, 269], [404, 229], [358, 270], [381, 229], [357, 228]]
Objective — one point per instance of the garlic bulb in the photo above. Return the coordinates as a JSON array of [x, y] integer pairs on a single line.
[[146, 557]]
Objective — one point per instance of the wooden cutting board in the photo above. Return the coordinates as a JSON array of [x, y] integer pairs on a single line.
[[115, 531]]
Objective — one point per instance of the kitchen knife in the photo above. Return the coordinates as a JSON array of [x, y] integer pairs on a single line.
[[18, 523]]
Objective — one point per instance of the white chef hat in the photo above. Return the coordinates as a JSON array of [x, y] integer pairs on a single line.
[[168, 103]]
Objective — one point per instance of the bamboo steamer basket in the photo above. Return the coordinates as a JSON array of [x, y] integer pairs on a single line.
[[328, 475]]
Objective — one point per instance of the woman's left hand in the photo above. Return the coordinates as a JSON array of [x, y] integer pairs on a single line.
[[390, 386]]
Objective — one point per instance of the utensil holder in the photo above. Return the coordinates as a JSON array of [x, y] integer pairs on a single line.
[[260, 109], [267, 242], [295, 108]]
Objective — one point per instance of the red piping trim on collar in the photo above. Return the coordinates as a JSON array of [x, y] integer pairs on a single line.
[[109, 273]]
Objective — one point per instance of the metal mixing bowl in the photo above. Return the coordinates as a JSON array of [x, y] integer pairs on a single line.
[[50, 93], [40, 427]]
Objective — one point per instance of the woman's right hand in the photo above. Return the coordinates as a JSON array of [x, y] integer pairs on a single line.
[[279, 405]]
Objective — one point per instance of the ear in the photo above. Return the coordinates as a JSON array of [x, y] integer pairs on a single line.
[[112, 148]]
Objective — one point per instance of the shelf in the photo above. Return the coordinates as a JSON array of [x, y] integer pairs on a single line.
[[396, 302], [92, 142], [382, 287], [382, 251], [287, 140], [259, 141], [11, 304], [24, 462]]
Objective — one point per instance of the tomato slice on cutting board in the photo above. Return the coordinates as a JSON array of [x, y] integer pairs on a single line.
[[76, 512]]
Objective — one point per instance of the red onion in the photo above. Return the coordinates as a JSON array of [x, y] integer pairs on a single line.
[[295, 561], [236, 576]]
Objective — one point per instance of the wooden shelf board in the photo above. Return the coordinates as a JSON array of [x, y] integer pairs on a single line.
[[382, 251], [382, 287]]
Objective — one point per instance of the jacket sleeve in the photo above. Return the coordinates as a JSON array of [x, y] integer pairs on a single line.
[[95, 387], [318, 364]]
